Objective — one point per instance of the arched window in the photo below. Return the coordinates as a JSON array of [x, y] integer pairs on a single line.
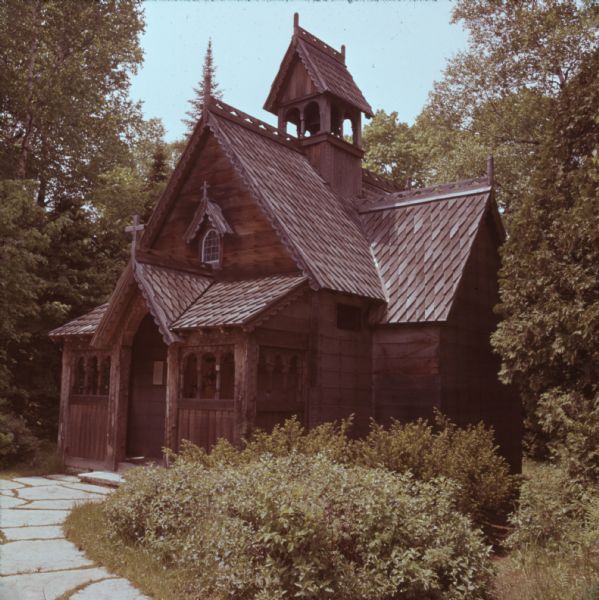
[[79, 385], [208, 374], [227, 376], [211, 247], [293, 117], [349, 133], [312, 119], [190, 377], [336, 121], [103, 388], [92, 383]]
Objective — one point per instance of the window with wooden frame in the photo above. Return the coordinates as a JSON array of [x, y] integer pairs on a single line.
[[208, 375], [190, 376], [210, 248], [349, 317]]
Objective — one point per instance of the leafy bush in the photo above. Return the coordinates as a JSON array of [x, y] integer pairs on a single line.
[[17, 443], [557, 514], [467, 456], [303, 527]]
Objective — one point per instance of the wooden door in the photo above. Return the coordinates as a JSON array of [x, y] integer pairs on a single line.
[[147, 405], [280, 390]]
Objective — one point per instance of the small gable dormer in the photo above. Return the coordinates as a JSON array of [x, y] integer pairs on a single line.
[[316, 97], [208, 226]]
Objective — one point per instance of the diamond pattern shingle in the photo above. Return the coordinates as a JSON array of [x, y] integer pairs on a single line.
[[421, 252], [236, 302], [308, 215]]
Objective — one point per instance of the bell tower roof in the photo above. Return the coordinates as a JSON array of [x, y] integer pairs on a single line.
[[325, 68]]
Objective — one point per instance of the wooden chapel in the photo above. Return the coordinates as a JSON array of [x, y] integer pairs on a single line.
[[277, 277]]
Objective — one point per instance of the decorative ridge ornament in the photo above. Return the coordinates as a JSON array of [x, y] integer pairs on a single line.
[[134, 229]]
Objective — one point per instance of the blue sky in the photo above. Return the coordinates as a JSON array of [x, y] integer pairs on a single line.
[[395, 51]]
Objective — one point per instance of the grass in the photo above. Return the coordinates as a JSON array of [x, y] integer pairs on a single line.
[[86, 527], [46, 462], [535, 575]]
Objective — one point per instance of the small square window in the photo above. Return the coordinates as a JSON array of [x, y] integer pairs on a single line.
[[349, 317]]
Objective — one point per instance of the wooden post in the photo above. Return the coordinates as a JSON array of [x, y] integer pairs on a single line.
[[118, 404], [246, 381], [173, 386], [312, 360], [65, 391]]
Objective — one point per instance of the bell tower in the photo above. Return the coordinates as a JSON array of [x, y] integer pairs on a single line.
[[315, 97]]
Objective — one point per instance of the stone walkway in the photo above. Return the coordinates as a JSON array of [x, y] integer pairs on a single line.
[[36, 561]]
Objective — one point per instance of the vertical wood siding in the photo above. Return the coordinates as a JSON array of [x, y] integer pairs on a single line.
[[88, 426]]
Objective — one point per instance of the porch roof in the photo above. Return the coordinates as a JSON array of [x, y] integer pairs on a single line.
[[236, 303]]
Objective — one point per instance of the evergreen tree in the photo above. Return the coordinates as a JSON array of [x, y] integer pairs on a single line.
[[208, 87]]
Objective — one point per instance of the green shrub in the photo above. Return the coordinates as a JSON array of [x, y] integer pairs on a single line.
[[303, 527], [17, 443], [557, 514], [468, 456]]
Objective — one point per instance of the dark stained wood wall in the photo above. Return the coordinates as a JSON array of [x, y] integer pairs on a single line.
[[471, 391], [254, 250], [340, 382], [205, 423], [406, 380], [87, 427], [297, 83], [286, 333]]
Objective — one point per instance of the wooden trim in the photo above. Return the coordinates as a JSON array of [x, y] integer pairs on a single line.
[[65, 389], [187, 265], [335, 141], [121, 406], [83, 399], [205, 404], [173, 385]]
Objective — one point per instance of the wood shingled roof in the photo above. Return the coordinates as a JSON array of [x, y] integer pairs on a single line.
[[421, 248], [310, 218], [234, 303], [326, 68], [181, 301], [84, 325]]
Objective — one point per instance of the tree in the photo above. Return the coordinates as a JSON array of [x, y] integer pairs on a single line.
[[549, 338], [66, 124], [22, 248], [391, 149], [208, 87], [65, 115], [499, 95]]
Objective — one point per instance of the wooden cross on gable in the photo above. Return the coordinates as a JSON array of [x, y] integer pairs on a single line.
[[134, 229]]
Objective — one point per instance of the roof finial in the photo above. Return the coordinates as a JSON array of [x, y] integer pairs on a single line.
[[343, 51], [295, 22], [490, 169], [205, 190], [134, 229]]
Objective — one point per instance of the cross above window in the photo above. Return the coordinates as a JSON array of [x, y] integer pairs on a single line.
[[134, 229]]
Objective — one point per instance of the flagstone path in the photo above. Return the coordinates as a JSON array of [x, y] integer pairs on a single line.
[[36, 561]]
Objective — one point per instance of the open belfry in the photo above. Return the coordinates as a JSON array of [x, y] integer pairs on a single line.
[[277, 277]]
